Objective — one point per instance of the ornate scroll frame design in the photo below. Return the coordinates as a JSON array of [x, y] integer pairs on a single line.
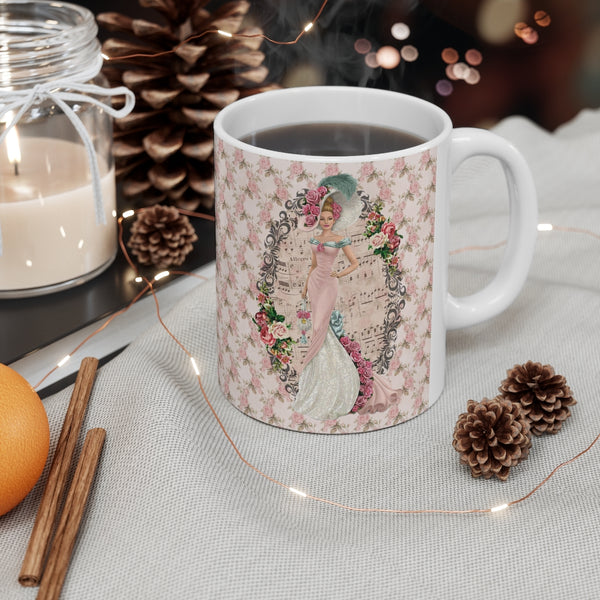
[[278, 231]]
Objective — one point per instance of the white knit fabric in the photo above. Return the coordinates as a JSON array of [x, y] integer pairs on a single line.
[[175, 514]]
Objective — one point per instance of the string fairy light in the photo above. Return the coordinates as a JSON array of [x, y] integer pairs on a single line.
[[305, 495], [222, 32], [195, 365], [161, 275], [63, 361]]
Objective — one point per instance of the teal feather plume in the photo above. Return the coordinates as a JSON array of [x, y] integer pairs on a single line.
[[343, 182]]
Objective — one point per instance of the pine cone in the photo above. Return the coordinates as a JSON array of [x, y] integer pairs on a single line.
[[162, 237], [164, 148], [492, 436], [544, 396]]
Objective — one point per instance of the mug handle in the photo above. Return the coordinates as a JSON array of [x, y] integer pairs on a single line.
[[522, 229]]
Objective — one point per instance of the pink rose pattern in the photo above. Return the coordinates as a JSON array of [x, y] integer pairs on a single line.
[[365, 371], [384, 240], [273, 331], [405, 188], [312, 205]]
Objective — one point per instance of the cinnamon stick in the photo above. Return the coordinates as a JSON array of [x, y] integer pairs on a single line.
[[70, 519], [39, 542]]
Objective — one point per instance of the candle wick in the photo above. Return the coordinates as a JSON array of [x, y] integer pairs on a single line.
[[16, 165]]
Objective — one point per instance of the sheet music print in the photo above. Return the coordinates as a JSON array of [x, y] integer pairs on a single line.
[[362, 296]]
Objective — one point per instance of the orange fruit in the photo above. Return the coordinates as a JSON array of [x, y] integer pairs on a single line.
[[24, 438]]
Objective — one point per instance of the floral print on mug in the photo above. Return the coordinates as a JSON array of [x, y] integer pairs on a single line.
[[359, 272]]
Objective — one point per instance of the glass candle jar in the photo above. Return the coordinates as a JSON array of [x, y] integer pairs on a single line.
[[57, 177]]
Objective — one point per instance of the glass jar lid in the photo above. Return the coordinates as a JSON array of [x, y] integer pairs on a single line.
[[42, 40]]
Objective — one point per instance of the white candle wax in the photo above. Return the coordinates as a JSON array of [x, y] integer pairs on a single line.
[[47, 216]]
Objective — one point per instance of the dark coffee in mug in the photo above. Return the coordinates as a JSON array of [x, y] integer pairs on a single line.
[[332, 139]]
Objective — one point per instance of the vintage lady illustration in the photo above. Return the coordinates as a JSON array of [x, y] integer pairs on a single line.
[[354, 353], [335, 378]]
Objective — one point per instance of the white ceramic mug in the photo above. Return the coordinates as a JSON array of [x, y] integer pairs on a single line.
[[342, 328]]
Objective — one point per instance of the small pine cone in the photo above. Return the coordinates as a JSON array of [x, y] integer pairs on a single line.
[[161, 236], [544, 396], [491, 437]]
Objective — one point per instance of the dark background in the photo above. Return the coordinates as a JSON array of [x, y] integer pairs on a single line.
[[548, 81]]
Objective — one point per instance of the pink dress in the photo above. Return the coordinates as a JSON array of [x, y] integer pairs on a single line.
[[329, 383]]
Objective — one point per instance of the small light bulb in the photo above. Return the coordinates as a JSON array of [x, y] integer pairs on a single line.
[[128, 213], [545, 227], [139, 279], [104, 56], [161, 275], [300, 493], [195, 365], [308, 27], [499, 508], [225, 33], [63, 360]]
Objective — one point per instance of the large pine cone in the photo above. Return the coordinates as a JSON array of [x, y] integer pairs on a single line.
[[164, 148], [491, 437], [160, 236], [544, 396]]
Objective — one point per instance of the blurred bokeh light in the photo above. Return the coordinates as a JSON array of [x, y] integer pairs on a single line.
[[480, 60]]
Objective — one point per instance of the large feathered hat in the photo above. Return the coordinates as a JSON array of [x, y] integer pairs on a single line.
[[342, 190]]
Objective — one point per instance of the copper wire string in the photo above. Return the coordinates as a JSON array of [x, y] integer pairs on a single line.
[[576, 230], [94, 333], [562, 464], [150, 287], [139, 295], [198, 36], [191, 213], [472, 248], [503, 242]]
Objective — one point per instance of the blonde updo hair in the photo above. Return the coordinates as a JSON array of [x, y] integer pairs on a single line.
[[327, 205]]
